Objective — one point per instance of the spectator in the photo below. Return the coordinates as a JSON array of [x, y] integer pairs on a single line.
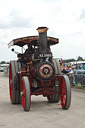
[[71, 76]]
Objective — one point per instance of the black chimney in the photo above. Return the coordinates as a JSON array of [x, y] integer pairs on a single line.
[[42, 39]]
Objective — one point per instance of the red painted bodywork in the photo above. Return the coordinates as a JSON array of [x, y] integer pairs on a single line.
[[45, 89]]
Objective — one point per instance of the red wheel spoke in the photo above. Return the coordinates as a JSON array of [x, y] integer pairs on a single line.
[[64, 91], [23, 98], [63, 94], [25, 94], [23, 101], [10, 82], [64, 99]]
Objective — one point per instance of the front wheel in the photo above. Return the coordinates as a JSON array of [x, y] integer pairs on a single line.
[[65, 95], [25, 94]]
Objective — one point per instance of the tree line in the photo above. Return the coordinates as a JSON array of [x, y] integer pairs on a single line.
[[72, 60], [4, 62], [64, 61]]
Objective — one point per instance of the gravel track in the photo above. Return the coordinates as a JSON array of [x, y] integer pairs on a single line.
[[42, 114]]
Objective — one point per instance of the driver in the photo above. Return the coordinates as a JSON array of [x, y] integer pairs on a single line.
[[28, 53]]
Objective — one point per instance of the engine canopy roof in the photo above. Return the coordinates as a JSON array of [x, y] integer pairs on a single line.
[[32, 39]]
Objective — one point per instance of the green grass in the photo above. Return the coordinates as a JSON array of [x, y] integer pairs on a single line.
[[79, 86]]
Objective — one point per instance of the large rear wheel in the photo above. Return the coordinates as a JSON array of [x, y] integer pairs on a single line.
[[65, 95], [55, 97], [14, 67], [17, 82], [25, 94], [12, 90]]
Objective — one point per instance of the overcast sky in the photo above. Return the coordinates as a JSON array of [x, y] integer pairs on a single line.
[[64, 18]]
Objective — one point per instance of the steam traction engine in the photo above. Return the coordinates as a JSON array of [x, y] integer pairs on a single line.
[[37, 73]]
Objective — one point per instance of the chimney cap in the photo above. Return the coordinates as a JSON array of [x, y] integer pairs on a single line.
[[42, 29]]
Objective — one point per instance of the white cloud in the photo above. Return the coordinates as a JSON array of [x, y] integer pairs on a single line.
[[64, 18]]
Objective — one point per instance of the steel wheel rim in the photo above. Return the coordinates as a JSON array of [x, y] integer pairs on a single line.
[[10, 83], [23, 95], [63, 94]]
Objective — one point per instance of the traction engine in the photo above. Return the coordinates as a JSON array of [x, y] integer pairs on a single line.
[[36, 72]]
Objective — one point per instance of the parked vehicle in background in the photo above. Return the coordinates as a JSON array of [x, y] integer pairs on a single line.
[[79, 76], [1, 69], [6, 71], [78, 64]]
